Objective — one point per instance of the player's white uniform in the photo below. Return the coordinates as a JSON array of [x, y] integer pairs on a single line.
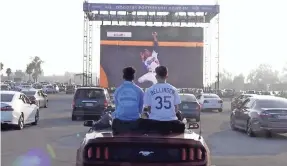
[[162, 98], [151, 63]]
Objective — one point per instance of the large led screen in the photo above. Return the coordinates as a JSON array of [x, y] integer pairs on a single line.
[[178, 48]]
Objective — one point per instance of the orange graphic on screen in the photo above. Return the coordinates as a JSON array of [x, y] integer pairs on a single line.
[[103, 78]]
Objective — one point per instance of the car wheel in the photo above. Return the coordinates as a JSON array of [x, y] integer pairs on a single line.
[[74, 118], [197, 119], [220, 110], [232, 123], [36, 118], [268, 134], [249, 130], [46, 104], [20, 125]]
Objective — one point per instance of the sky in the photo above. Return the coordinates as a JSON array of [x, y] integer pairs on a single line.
[[251, 32]]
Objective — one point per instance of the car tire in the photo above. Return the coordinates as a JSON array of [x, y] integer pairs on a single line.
[[197, 119], [232, 123], [36, 118], [20, 125], [220, 110], [46, 104], [268, 134], [74, 118], [249, 131]]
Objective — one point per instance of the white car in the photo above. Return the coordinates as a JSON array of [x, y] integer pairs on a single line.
[[17, 110], [49, 89], [209, 101]]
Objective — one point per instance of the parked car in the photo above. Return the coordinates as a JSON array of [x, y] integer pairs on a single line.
[[37, 96], [260, 115], [90, 103], [209, 101], [17, 110], [189, 106]]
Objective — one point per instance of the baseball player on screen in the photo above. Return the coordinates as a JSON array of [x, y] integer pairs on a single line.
[[150, 61]]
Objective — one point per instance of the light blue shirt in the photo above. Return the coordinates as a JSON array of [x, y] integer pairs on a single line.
[[128, 101]]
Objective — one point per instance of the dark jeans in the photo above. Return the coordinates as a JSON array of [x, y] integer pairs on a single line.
[[147, 126], [121, 126], [164, 127]]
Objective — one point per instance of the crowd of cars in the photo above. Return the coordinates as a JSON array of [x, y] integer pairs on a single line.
[[21, 102]]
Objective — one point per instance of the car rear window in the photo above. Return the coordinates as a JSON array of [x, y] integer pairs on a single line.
[[89, 93], [6, 97], [272, 103], [4, 87], [187, 98], [29, 93], [50, 87]]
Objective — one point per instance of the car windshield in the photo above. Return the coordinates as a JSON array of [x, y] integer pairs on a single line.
[[49, 86], [89, 93], [29, 93], [281, 103], [6, 97], [187, 98]]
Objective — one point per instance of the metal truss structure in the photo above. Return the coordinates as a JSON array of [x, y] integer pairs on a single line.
[[151, 15]]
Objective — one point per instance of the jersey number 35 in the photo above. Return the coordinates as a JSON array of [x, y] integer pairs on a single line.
[[163, 102]]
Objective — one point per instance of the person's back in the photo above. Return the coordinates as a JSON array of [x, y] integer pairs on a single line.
[[162, 98], [128, 101], [128, 98], [161, 101]]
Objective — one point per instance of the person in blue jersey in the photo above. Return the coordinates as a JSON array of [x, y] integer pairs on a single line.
[[128, 99], [162, 102]]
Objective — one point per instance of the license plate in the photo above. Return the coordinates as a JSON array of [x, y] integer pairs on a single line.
[[185, 107], [89, 104], [282, 116]]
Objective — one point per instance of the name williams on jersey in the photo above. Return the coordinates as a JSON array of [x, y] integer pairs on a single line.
[[162, 90]]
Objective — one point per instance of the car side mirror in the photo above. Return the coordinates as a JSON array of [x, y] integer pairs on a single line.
[[193, 126], [89, 123]]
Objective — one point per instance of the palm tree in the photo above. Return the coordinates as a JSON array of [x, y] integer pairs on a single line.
[[29, 71], [36, 66], [1, 66], [8, 72]]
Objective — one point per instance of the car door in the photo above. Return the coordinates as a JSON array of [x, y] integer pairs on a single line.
[[30, 113], [244, 112], [41, 99], [24, 108]]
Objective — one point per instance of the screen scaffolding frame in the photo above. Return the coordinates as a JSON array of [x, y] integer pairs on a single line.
[[131, 14]]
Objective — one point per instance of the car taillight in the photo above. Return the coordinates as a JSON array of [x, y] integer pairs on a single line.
[[205, 101], [198, 107], [264, 114], [219, 101], [98, 153], [106, 103], [7, 108], [192, 154], [73, 104]]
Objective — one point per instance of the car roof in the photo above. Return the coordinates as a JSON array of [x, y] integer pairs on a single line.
[[209, 94], [187, 94], [9, 92], [267, 97], [88, 87]]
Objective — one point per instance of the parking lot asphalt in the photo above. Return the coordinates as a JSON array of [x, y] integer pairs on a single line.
[[53, 142]]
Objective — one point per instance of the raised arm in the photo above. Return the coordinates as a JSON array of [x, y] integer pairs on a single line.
[[155, 42]]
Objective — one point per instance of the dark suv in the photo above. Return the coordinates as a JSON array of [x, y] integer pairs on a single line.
[[90, 103]]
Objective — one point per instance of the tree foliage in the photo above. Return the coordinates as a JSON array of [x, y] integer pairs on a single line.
[[8, 72], [1, 66], [36, 67]]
